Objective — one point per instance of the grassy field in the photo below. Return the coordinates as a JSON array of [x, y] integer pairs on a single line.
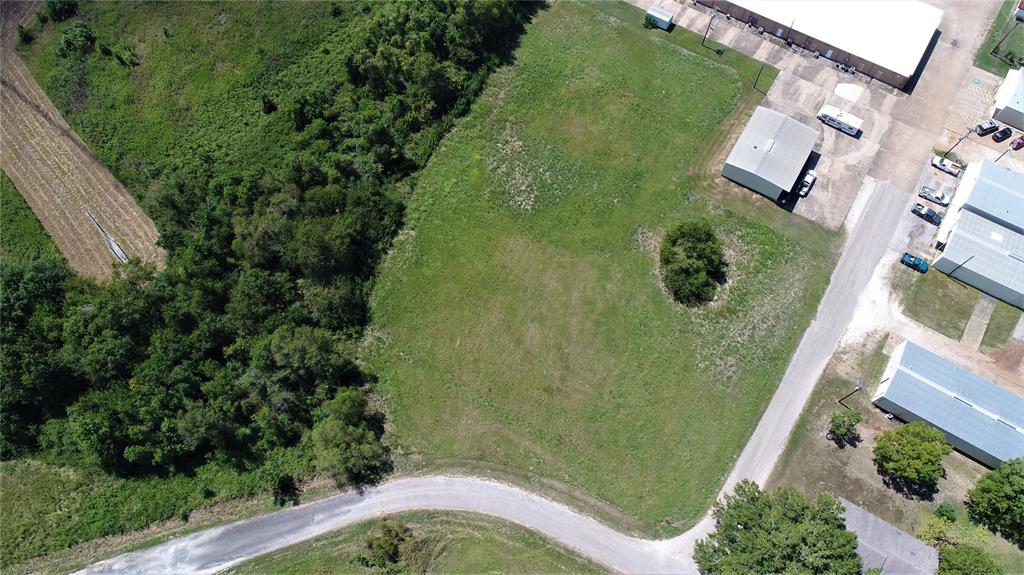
[[1000, 326], [22, 238], [939, 302], [815, 464], [1012, 46], [449, 543], [518, 325]]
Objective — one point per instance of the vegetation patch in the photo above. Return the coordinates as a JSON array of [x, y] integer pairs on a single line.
[[1010, 51], [692, 262], [940, 302], [1000, 326], [521, 325], [424, 543], [22, 237]]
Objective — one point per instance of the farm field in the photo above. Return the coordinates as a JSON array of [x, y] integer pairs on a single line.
[[22, 238], [60, 178], [518, 324], [445, 543]]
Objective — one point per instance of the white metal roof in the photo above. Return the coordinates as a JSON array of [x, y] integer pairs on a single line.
[[773, 146], [1011, 92], [892, 33], [660, 13]]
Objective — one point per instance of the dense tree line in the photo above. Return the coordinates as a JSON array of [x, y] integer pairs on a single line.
[[246, 341]]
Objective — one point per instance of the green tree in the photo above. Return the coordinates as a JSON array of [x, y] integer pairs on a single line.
[[346, 447], [692, 262], [843, 426], [911, 455], [76, 41], [780, 532], [946, 511], [966, 560], [997, 501], [25, 35], [60, 10], [385, 548]]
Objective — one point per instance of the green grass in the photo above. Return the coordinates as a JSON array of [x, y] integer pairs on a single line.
[[451, 543], [939, 302], [1000, 326], [1014, 43], [518, 324], [22, 237]]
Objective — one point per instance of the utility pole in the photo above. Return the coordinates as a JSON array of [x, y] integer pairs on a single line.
[[962, 138], [856, 388], [715, 50], [1003, 154], [995, 49]]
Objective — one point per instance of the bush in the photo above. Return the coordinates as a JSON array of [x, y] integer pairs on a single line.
[[966, 560], [692, 262], [843, 426], [346, 448], [997, 501], [25, 35], [60, 10], [649, 22], [386, 548], [76, 41], [946, 511], [911, 455]]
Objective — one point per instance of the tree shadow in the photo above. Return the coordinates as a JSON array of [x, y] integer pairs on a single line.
[[852, 440], [286, 491], [916, 490]]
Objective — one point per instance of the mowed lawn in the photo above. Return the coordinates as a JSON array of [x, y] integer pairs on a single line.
[[518, 324]]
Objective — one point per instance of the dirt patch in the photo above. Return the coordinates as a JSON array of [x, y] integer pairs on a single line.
[[1009, 357]]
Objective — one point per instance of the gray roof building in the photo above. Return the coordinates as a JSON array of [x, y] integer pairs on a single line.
[[996, 193], [979, 418], [770, 153], [882, 544], [987, 256]]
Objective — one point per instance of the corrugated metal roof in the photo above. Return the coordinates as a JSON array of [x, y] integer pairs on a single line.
[[987, 248], [773, 146], [1011, 92], [893, 34], [958, 402], [660, 13], [998, 194], [882, 544]]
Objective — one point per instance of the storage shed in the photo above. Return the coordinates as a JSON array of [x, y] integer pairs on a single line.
[[661, 17], [979, 418], [1009, 104], [770, 154]]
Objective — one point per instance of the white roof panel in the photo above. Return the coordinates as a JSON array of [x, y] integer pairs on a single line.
[[773, 146], [892, 33], [1011, 92]]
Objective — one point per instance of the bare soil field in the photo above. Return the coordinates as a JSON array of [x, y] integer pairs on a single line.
[[57, 174]]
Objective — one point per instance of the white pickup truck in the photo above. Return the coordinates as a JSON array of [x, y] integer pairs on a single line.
[[946, 165]]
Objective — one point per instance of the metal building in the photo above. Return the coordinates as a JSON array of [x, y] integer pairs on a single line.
[[662, 17], [770, 154], [979, 418], [982, 235], [1009, 104], [884, 40]]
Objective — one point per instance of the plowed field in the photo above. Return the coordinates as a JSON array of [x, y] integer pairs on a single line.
[[58, 175]]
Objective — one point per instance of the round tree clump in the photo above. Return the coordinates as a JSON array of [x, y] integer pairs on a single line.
[[912, 454], [997, 500], [692, 262]]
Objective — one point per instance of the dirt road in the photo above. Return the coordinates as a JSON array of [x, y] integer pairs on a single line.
[[57, 174]]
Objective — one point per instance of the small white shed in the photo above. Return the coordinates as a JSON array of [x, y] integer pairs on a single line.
[[662, 17]]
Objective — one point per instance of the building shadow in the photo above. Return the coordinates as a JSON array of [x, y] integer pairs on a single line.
[[911, 84], [789, 200]]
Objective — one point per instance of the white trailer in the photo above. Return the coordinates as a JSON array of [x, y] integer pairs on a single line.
[[840, 120], [662, 18]]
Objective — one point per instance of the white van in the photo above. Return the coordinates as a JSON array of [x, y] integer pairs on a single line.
[[840, 120]]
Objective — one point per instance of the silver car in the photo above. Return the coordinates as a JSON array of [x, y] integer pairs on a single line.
[[933, 195]]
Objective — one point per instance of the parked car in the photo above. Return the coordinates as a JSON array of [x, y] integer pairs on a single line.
[[985, 128], [1017, 144], [933, 195], [805, 185], [946, 165], [1002, 135], [913, 262], [927, 214]]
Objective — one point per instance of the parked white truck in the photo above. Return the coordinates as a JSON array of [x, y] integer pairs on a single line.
[[840, 120]]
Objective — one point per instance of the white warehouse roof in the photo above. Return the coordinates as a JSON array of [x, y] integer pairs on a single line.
[[978, 418], [892, 33], [774, 147]]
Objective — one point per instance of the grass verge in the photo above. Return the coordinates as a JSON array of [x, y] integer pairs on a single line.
[[519, 323], [939, 302], [1012, 46], [1000, 326], [446, 543]]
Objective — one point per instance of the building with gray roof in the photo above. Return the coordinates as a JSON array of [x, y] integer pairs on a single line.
[[982, 235], [882, 545], [979, 418], [770, 154]]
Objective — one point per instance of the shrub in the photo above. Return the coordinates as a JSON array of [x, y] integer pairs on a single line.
[[966, 560], [386, 548], [911, 455], [997, 501], [60, 10], [649, 22], [692, 262], [346, 448], [946, 511], [25, 35], [843, 425], [76, 41]]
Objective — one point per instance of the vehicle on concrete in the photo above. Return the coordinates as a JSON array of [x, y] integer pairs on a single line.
[[946, 165], [985, 128], [927, 214], [805, 185], [1017, 144], [1002, 135], [933, 195], [913, 262], [840, 120]]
